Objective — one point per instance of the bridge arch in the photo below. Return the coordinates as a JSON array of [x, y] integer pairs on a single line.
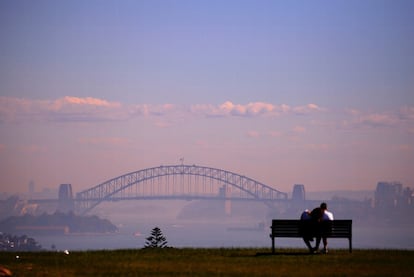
[[177, 182]]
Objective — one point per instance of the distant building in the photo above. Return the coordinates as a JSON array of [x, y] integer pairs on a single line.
[[391, 195]]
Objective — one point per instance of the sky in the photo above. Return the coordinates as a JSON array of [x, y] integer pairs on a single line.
[[319, 93]]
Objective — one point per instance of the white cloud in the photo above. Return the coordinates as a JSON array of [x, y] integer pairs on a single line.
[[152, 110], [375, 119], [252, 109], [309, 108], [284, 108], [70, 100], [260, 108], [204, 109], [378, 119], [402, 118], [70, 108], [64, 109]]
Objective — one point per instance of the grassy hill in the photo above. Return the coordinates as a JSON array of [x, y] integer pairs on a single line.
[[210, 262]]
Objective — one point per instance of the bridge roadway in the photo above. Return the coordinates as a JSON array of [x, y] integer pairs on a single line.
[[165, 197], [187, 182]]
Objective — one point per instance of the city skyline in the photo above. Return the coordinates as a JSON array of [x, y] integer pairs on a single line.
[[317, 93]]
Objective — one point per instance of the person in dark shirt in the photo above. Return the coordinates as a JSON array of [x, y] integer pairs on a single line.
[[320, 216], [306, 228], [316, 218]]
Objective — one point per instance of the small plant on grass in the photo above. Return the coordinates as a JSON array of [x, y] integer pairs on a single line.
[[156, 239]]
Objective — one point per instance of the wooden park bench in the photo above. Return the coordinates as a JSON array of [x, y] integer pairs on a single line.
[[291, 228]]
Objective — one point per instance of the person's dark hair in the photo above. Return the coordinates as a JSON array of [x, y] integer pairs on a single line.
[[324, 206]]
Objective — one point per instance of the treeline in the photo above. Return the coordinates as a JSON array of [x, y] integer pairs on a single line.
[[10, 242], [46, 222]]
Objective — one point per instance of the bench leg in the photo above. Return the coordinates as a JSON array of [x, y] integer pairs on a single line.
[[273, 245], [350, 245]]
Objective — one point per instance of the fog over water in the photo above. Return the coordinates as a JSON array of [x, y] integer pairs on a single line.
[[185, 225]]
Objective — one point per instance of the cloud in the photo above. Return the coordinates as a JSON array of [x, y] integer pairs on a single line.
[[204, 109], [152, 110], [260, 108], [84, 109], [222, 110], [70, 100], [402, 119], [67, 108], [309, 108], [75, 109], [10, 108], [360, 119], [252, 109], [378, 119], [407, 113]]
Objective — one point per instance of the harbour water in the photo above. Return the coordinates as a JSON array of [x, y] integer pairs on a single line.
[[216, 235], [206, 224]]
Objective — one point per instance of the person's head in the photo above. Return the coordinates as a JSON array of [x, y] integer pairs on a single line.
[[324, 206]]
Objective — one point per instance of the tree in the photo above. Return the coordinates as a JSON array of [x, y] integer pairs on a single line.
[[156, 239]]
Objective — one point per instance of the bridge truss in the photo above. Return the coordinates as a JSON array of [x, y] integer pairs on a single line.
[[177, 182]]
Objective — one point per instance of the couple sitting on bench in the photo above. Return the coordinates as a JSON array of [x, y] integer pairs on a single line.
[[316, 224]]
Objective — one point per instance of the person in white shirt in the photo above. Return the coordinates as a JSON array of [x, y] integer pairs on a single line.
[[326, 215]]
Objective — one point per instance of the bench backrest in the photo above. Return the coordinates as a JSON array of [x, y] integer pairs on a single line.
[[339, 228]]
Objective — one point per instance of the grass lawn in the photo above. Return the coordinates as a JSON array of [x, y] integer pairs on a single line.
[[210, 262]]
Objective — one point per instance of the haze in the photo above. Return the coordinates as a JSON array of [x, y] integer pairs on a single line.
[[312, 92]]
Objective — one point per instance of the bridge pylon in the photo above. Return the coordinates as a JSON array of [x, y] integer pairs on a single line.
[[66, 202]]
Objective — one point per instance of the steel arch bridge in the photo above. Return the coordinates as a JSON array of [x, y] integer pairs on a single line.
[[177, 182]]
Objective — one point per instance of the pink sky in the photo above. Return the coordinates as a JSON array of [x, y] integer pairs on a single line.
[[284, 92], [85, 141]]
